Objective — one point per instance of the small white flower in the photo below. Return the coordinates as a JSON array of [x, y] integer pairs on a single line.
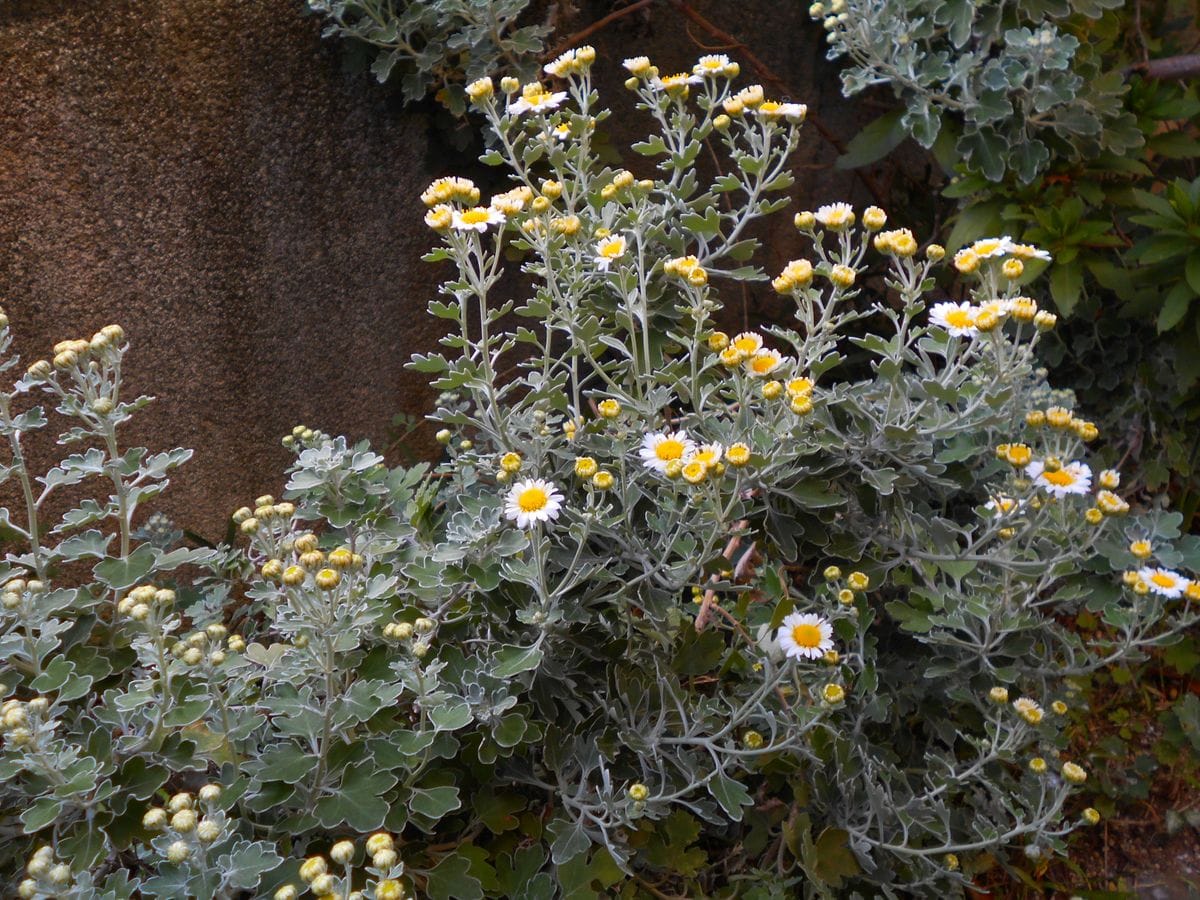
[[793, 112], [1163, 581], [561, 131], [609, 249], [566, 64], [532, 501], [672, 82], [748, 342], [835, 216], [1003, 506], [713, 65], [1073, 478], [535, 98], [958, 319], [661, 447], [708, 454], [764, 362], [989, 247], [805, 636], [477, 218]]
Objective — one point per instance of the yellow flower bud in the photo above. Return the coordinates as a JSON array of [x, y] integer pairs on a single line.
[[1074, 773], [609, 409], [842, 276], [1013, 269], [603, 480], [833, 693], [737, 455], [312, 868], [639, 792], [874, 218]]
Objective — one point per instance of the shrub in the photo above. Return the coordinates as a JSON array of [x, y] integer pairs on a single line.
[[781, 612], [1010, 86], [437, 45]]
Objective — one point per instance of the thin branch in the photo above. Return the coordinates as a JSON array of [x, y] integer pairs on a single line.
[[578, 36], [1185, 66]]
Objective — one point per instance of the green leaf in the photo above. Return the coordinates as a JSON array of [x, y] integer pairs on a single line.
[[569, 840], [1066, 284], [451, 879], [835, 860], [360, 801], [450, 716], [434, 802], [497, 810], [1191, 271], [874, 142], [120, 574], [1175, 306], [512, 660], [731, 794], [186, 712], [284, 762], [43, 811], [248, 862]]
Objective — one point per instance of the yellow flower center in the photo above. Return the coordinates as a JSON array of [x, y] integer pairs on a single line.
[[746, 344], [532, 499], [982, 248], [807, 636], [706, 457], [1163, 580], [763, 364], [475, 216], [669, 449], [959, 318], [770, 106], [612, 249], [1061, 478]]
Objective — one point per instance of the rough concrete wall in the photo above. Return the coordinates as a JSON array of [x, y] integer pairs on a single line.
[[205, 173]]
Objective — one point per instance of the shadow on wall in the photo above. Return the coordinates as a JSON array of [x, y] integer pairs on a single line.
[[205, 173]]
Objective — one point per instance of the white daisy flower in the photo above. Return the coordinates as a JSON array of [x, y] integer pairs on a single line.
[[772, 109], [1003, 506], [567, 64], [764, 362], [835, 216], [535, 98], [747, 342], [958, 319], [662, 447], [477, 218], [989, 247], [1029, 251], [712, 65], [708, 454], [674, 82], [532, 501], [805, 636], [561, 131], [609, 249], [1073, 478], [1163, 581], [1029, 710], [998, 307]]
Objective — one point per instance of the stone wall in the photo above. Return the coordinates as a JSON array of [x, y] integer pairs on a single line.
[[207, 174]]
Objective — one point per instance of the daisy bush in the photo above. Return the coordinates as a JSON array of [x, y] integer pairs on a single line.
[[682, 609]]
